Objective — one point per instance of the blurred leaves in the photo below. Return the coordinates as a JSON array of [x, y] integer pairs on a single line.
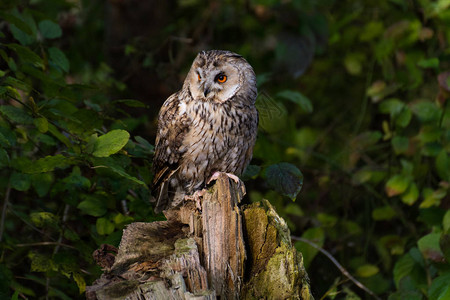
[[285, 178]]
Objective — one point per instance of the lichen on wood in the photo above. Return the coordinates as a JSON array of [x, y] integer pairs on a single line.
[[207, 250]]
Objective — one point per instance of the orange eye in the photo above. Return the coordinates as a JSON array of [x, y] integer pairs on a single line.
[[221, 78], [199, 78]]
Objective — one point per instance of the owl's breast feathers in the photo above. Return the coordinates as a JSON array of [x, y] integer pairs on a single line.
[[197, 138]]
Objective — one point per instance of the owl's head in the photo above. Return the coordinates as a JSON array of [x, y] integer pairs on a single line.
[[218, 76]]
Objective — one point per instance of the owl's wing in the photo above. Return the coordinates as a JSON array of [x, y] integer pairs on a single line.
[[172, 127]]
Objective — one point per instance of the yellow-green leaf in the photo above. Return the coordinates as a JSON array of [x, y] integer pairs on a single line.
[[396, 185], [41, 124], [110, 143], [104, 226], [367, 270]]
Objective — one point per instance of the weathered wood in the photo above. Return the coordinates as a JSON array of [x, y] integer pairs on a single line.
[[205, 250], [275, 268], [223, 240]]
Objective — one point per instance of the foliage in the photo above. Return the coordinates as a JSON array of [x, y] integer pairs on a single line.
[[72, 177], [353, 93]]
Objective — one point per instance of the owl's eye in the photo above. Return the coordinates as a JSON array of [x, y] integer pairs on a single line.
[[221, 78], [199, 78]]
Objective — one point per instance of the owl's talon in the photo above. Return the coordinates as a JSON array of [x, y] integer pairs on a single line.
[[234, 178], [196, 197], [231, 176]]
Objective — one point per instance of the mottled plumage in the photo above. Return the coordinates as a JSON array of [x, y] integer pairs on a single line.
[[209, 125]]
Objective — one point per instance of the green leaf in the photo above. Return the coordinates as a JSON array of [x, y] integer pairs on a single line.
[[61, 137], [120, 219], [110, 143], [407, 167], [327, 220], [104, 226], [298, 98], [429, 63], [20, 181], [432, 198], [143, 148], [442, 164], [406, 294], [426, 111], [45, 220], [383, 213], [49, 29], [15, 296], [25, 29], [353, 63], [93, 206], [367, 270], [16, 114], [26, 55], [81, 283], [124, 174], [46, 164], [371, 30], [41, 124], [403, 267], [400, 144], [22, 37], [4, 158], [403, 118], [41, 262], [250, 172], [59, 59], [391, 106], [315, 235], [4, 142], [394, 243], [76, 180], [13, 20], [446, 222], [440, 287], [429, 246], [42, 183], [361, 176], [17, 84], [411, 195], [396, 185], [285, 178]]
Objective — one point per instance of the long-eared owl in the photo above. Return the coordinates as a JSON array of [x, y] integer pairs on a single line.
[[208, 126]]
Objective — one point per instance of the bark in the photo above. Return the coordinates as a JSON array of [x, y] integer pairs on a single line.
[[207, 250]]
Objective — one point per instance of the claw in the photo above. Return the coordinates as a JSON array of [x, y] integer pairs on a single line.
[[197, 197], [231, 176]]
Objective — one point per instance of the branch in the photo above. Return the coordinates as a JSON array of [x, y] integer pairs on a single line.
[[338, 265]]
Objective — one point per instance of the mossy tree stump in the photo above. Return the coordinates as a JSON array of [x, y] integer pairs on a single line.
[[208, 250]]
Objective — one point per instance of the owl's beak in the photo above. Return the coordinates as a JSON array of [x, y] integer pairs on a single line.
[[206, 91]]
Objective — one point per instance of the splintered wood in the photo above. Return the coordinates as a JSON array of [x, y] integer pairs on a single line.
[[200, 253]]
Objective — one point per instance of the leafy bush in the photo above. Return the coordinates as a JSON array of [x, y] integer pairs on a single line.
[[71, 175]]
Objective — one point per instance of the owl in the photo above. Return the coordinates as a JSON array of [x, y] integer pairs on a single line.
[[207, 127]]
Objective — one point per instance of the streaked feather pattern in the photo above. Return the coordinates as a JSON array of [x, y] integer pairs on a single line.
[[206, 127]]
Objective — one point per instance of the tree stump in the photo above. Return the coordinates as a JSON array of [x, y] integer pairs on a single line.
[[208, 250]]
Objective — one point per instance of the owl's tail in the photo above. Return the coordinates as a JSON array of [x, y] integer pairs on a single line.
[[163, 192]]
